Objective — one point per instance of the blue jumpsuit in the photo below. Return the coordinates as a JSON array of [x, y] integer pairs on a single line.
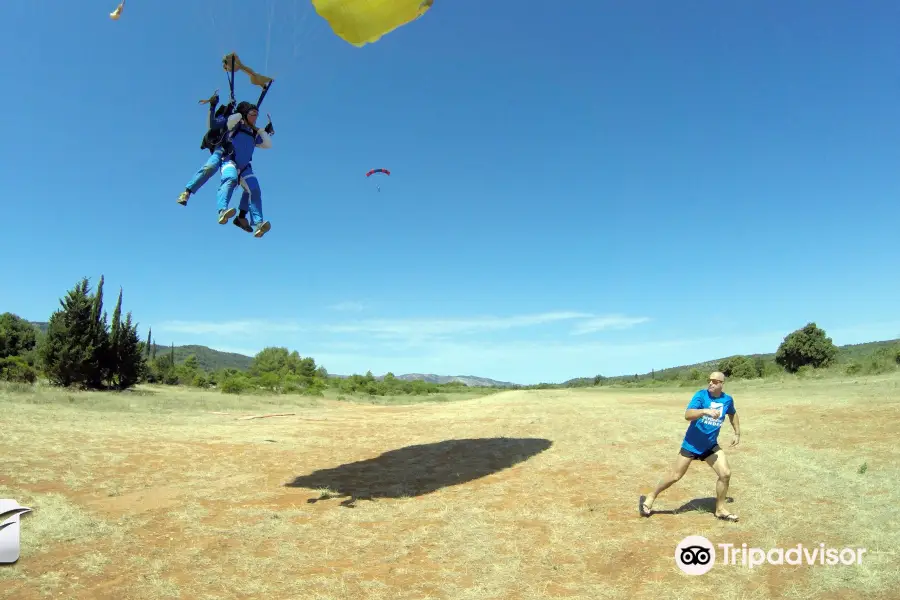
[[212, 165], [237, 167]]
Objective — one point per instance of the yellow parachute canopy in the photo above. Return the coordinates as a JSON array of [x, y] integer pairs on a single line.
[[359, 22]]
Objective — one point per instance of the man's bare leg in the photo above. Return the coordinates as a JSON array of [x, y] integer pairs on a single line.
[[679, 468], [719, 464]]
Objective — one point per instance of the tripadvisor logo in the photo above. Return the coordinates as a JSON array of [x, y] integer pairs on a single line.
[[696, 555]]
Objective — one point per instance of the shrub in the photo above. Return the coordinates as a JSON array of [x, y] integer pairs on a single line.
[[16, 369]]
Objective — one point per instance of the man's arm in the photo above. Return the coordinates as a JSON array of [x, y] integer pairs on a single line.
[[736, 425], [263, 139], [231, 122], [694, 411], [213, 104], [692, 414]]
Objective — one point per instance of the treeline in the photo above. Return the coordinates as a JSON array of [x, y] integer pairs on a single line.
[[276, 370], [82, 347], [807, 350]]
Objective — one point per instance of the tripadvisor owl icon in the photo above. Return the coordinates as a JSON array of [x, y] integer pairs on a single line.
[[695, 555]]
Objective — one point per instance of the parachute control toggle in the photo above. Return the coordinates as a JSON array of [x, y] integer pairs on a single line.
[[114, 15]]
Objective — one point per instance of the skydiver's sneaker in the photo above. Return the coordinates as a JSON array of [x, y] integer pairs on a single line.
[[243, 223], [262, 229], [183, 197], [224, 215]]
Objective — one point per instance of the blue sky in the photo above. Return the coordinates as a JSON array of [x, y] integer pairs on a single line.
[[601, 188]]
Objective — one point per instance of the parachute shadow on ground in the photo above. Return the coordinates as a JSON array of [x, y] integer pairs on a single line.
[[421, 469]]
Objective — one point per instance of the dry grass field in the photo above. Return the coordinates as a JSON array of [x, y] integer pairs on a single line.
[[518, 495]]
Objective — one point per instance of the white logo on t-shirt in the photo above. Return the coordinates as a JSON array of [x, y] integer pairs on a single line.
[[718, 419]]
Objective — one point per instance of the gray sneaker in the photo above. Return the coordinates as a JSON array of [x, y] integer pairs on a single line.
[[262, 229], [224, 215]]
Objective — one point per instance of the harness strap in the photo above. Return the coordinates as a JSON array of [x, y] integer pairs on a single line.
[[231, 79]]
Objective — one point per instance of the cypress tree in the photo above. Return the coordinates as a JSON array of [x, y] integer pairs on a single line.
[[131, 364], [114, 354], [69, 346], [98, 369], [79, 348]]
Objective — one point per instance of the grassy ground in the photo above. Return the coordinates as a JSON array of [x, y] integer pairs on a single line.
[[517, 495]]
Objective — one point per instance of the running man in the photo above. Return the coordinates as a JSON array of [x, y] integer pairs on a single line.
[[706, 411]]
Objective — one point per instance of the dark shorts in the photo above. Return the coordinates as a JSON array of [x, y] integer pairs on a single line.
[[702, 456]]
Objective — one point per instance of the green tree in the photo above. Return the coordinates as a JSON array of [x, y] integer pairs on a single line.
[[739, 367], [234, 384], [760, 364], [79, 348], [18, 337], [17, 370], [113, 348], [162, 370], [130, 363], [307, 368], [188, 370], [271, 360], [98, 368], [69, 346], [807, 346]]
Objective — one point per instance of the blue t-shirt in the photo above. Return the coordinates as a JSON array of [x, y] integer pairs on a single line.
[[703, 434]]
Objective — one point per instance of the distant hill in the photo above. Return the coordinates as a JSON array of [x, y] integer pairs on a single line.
[[469, 380], [208, 359], [846, 353]]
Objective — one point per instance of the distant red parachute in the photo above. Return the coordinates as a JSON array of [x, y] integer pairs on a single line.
[[373, 171]]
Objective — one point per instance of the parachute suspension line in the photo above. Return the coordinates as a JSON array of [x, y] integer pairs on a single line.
[[300, 29], [221, 15], [269, 35]]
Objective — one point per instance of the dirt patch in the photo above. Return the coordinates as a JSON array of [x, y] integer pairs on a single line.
[[510, 497]]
